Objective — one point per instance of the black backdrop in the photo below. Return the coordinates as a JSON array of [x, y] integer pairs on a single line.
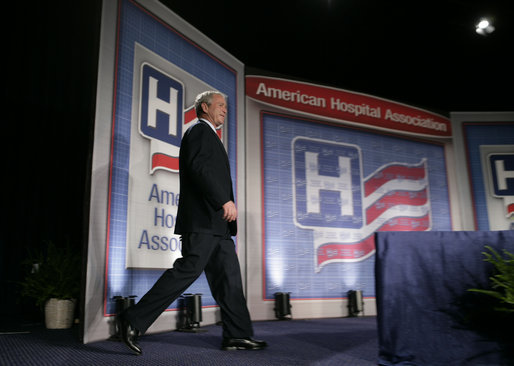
[[48, 98]]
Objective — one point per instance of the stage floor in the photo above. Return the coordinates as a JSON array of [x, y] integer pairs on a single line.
[[334, 341]]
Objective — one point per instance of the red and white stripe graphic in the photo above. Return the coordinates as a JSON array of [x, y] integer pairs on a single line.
[[395, 198]]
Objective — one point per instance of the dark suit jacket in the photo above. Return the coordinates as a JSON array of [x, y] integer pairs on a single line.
[[205, 183]]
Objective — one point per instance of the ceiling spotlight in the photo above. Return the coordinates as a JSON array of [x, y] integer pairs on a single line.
[[484, 27]]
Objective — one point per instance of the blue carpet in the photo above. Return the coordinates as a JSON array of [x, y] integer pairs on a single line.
[[335, 341]]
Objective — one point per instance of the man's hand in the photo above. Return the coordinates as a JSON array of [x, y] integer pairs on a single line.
[[229, 211]]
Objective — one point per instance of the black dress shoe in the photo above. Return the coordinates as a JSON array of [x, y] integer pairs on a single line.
[[129, 335], [232, 344]]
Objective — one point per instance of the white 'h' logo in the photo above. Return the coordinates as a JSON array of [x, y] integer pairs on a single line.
[[316, 182], [157, 104], [502, 175]]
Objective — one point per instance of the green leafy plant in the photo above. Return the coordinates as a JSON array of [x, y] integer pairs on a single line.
[[52, 272], [502, 282]]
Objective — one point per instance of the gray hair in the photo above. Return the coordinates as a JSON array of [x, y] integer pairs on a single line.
[[205, 97]]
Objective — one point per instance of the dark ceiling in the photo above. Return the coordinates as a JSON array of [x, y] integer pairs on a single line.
[[424, 53]]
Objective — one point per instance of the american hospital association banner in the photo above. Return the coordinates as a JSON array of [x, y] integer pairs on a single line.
[[336, 167], [159, 71]]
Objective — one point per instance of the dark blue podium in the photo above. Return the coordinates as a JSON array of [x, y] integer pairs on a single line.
[[422, 280]]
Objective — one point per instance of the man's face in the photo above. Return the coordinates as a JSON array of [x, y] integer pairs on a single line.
[[216, 112]]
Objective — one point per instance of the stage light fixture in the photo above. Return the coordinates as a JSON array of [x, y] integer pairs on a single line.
[[282, 306], [484, 27], [121, 303], [355, 303], [191, 314]]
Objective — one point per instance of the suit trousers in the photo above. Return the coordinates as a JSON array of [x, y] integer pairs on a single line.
[[216, 256]]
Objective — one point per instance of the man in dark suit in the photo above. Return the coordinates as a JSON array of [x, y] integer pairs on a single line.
[[206, 219]]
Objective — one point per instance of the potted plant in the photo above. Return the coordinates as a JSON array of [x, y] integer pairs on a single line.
[[491, 312], [53, 280], [502, 282]]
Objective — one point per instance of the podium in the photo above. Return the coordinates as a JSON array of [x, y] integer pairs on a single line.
[[422, 281]]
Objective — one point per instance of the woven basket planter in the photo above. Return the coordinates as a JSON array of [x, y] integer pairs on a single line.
[[59, 313]]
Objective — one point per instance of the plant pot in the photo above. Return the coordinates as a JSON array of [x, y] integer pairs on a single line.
[[59, 313]]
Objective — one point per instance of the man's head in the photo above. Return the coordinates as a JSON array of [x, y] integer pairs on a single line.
[[212, 106]]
